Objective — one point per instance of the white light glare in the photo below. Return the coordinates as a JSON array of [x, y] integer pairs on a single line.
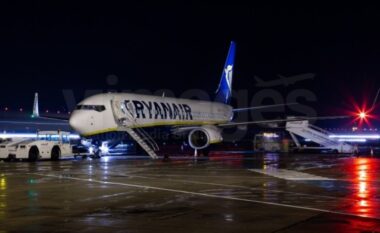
[[352, 140], [365, 136], [104, 148], [270, 135], [31, 135]]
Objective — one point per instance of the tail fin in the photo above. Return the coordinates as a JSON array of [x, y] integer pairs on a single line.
[[36, 112], [223, 93]]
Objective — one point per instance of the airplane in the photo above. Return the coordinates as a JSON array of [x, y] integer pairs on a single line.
[[286, 81], [202, 121], [25, 122]]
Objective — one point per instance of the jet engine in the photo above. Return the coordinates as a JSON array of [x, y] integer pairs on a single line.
[[202, 137]]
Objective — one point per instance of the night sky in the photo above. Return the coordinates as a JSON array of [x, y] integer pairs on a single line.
[[56, 47]]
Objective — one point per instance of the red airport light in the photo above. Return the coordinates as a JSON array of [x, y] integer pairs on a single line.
[[362, 115]]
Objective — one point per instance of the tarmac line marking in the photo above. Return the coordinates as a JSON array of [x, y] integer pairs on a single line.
[[230, 198], [105, 196], [289, 174], [318, 167], [236, 186], [198, 176]]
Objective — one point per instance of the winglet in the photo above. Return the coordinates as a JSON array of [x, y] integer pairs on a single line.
[[36, 112], [375, 100]]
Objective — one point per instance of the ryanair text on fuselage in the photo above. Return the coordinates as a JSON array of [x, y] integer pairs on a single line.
[[158, 110]]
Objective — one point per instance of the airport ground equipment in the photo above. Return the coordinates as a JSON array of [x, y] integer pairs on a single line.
[[122, 116], [46, 145], [9, 143], [317, 135]]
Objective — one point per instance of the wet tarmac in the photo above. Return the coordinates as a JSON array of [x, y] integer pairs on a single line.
[[225, 193]]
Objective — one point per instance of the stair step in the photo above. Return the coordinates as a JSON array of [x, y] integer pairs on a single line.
[[317, 135], [139, 135], [142, 143]]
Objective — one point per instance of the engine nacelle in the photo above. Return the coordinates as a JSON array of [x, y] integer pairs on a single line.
[[202, 137]]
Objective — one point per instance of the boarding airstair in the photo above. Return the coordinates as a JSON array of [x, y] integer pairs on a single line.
[[126, 121], [317, 135]]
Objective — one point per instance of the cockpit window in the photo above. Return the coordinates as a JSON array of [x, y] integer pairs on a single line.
[[98, 108]]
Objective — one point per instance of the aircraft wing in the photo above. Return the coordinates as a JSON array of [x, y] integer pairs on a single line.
[[182, 129], [36, 121], [262, 107], [281, 120], [61, 118]]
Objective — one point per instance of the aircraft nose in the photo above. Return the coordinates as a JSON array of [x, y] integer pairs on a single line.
[[75, 122]]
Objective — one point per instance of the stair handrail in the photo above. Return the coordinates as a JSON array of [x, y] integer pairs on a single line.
[[142, 133]]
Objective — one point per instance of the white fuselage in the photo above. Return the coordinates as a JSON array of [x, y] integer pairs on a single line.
[[115, 111]]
